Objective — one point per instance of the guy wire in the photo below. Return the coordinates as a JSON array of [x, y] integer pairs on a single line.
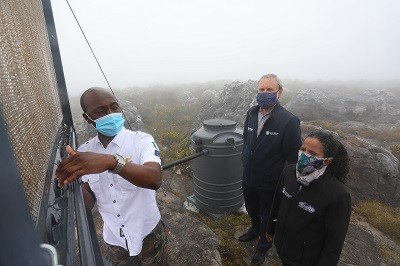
[[97, 61]]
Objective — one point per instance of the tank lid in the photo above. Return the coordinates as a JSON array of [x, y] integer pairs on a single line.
[[219, 123]]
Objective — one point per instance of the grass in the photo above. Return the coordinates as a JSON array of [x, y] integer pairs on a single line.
[[395, 150], [232, 251], [386, 219]]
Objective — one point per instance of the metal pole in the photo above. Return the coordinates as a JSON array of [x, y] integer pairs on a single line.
[[183, 160]]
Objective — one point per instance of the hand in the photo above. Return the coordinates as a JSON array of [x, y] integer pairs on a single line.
[[82, 163], [270, 238]]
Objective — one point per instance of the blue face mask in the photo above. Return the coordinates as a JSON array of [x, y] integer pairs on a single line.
[[267, 99], [109, 125]]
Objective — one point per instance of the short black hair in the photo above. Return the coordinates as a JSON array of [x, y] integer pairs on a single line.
[[87, 93]]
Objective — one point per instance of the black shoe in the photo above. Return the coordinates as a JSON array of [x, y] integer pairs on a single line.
[[258, 257], [246, 237]]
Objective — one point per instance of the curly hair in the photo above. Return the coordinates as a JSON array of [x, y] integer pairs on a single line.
[[333, 148]]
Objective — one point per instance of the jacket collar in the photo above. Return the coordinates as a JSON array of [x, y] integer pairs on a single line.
[[257, 109]]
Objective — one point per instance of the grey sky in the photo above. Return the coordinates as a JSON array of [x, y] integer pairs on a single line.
[[176, 41]]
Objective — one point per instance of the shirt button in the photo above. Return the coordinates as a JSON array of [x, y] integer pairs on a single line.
[[118, 215], [111, 185], [114, 201]]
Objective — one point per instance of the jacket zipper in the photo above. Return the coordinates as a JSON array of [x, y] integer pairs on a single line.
[[299, 190]]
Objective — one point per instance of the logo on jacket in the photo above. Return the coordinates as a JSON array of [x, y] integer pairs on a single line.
[[306, 206], [249, 129], [286, 193], [271, 133]]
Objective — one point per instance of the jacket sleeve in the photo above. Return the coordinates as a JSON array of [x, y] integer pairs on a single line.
[[292, 140], [273, 216], [336, 224], [245, 126]]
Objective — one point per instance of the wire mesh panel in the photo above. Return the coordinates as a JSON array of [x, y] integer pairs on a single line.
[[29, 99]]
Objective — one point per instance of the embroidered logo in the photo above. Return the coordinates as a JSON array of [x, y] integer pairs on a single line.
[[286, 193], [271, 133], [157, 150], [306, 206], [249, 129]]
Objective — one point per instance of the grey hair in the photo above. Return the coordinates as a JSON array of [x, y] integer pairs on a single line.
[[275, 77]]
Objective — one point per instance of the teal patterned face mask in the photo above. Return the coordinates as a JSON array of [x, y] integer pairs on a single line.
[[307, 163]]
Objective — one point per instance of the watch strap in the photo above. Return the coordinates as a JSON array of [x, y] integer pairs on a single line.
[[120, 164]]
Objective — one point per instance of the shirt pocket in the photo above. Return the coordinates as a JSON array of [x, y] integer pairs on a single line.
[[126, 186], [94, 183]]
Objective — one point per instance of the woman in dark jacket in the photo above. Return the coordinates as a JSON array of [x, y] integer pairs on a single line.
[[311, 210]]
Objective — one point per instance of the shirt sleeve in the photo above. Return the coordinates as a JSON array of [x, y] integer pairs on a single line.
[[149, 151]]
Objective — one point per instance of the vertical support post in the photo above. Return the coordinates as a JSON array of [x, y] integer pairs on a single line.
[[55, 51]]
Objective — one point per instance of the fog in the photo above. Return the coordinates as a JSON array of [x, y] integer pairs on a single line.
[[140, 43]]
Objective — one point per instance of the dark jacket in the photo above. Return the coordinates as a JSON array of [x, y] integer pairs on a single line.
[[265, 156], [309, 222]]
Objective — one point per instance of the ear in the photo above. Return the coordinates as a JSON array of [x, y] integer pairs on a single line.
[[85, 116], [279, 94]]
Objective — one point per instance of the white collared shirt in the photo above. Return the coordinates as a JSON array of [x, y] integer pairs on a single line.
[[126, 209]]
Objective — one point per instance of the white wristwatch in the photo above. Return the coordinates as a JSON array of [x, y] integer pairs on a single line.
[[120, 164]]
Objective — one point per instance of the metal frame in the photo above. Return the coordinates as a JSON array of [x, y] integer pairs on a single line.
[[19, 244], [71, 211]]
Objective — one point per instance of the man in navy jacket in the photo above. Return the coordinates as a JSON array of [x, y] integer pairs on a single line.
[[272, 138]]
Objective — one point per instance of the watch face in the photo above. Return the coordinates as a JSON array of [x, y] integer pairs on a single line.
[[119, 158]]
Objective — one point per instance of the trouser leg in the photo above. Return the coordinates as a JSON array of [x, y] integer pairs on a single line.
[[266, 198], [252, 204], [154, 250]]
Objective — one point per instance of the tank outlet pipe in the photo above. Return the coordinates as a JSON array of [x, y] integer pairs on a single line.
[[184, 159]]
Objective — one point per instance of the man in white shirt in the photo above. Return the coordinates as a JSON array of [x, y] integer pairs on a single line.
[[120, 170]]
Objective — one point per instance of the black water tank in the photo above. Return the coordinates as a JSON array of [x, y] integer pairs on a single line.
[[217, 175]]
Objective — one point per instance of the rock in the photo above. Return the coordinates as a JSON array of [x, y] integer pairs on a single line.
[[190, 241], [368, 106], [232, 103], [359, 248]]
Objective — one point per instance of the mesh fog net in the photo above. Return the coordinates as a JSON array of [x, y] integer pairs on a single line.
[[29, 99]]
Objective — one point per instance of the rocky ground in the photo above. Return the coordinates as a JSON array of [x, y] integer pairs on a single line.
[[191, 242]]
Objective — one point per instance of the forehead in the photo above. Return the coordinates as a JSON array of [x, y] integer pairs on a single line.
[[314, 145], [268, 83], [96, 99]]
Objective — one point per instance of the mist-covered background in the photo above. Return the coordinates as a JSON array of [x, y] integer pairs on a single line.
[[141, 43]]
